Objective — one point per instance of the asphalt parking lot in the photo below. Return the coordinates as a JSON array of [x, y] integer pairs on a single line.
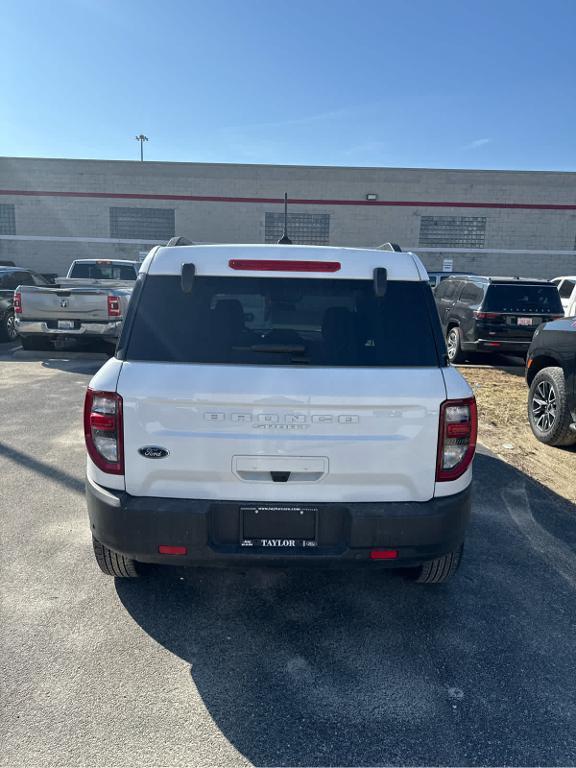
[[257, 667]]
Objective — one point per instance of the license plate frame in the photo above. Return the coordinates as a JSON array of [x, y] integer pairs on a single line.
[[296, 527], [66, 325]]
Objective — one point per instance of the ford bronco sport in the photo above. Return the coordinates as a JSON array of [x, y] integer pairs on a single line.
[[280, 404]]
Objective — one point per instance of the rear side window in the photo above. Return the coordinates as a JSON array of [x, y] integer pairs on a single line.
[[566, 289], [471, 294], [289, 321], [104, 271], [543, 299]]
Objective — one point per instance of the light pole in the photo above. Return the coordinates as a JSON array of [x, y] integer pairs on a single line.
[[141, 139]]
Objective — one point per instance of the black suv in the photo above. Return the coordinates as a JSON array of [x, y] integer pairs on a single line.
[[493, 314], [10, 279]]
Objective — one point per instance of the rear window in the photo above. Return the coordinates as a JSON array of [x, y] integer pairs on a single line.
[[521, 298], [273, 321], [104, 271]]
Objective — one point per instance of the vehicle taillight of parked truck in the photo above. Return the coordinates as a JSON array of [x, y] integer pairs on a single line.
[[114, 306], [103, 430], [17, 303], [457, 438]]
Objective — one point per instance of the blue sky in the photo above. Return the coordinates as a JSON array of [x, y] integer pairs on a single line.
[[431, 83]]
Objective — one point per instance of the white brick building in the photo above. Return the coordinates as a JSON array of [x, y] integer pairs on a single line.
[[52, 211]]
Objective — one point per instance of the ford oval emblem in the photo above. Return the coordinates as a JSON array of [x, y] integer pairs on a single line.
[[153, 452]]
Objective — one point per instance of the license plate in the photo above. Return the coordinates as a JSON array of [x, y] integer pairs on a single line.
[[278, 527], [66, 325], [524, 321]]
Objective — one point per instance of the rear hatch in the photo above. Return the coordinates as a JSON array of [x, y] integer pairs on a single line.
[[267, 389], [513, 311]]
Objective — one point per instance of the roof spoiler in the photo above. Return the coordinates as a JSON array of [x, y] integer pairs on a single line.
[[390, 247], [187, 277], [179, 240]]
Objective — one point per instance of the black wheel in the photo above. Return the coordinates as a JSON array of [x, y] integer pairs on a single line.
[[440, 570], [35, 343], [548, 411], [454, 345], [113, 564], [8, 330]]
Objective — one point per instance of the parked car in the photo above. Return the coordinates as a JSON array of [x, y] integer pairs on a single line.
[[89, 304], [551, 376], [493, 314], [10, 279], [567, 289], [435, 278], [261, 407]]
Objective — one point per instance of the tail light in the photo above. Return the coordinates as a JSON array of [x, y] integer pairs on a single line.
[[256, 265], [18, 303], [457, 438], [487, 315], [103, 430], [113, 306]]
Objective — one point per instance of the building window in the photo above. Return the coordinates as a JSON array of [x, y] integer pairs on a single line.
[[453, 231], [303, 228], [7, 219], [142, 223]]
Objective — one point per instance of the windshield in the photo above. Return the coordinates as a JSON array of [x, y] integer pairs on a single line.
[[104, 271], [538, 299], [271, 321]]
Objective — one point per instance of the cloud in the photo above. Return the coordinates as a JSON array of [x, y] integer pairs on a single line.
[[477, 143]]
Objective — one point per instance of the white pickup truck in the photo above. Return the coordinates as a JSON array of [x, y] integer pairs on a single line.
[[89, 303]]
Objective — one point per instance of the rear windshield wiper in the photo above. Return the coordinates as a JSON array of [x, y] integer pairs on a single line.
[[274, 348]]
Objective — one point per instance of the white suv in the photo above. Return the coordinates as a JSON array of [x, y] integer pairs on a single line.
[[280, 404]]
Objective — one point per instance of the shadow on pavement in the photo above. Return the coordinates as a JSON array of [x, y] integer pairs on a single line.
[[362, 668], [41, 468]]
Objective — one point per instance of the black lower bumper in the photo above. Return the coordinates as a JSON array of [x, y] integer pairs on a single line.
[[504, 346], [211, 530]]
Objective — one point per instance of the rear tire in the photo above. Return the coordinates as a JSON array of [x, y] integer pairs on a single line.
[[113, 564], [35, 343], [440, 570], [8, 330], [548, 411], [454, 345]]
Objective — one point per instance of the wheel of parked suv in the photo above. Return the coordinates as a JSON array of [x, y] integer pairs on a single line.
[[113, 564], [454, 346], [441, 569], [35, 343], [8, 330], [548, 410]]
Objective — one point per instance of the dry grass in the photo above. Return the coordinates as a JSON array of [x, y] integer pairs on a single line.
[[502, 398]]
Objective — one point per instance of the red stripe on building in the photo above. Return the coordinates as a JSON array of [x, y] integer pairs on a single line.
[[294, 201]]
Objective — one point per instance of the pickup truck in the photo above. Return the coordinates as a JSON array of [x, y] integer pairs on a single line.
[[89, 303], [551, 376]]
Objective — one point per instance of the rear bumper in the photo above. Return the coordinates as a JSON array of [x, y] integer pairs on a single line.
[[512, 346], [210, 530], [84, 329]]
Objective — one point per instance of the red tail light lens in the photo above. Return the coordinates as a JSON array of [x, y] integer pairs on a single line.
[[383, 554], [103, 430], [457, 438], [113, 306], [254, 265], [487, 315], [18, 303]]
